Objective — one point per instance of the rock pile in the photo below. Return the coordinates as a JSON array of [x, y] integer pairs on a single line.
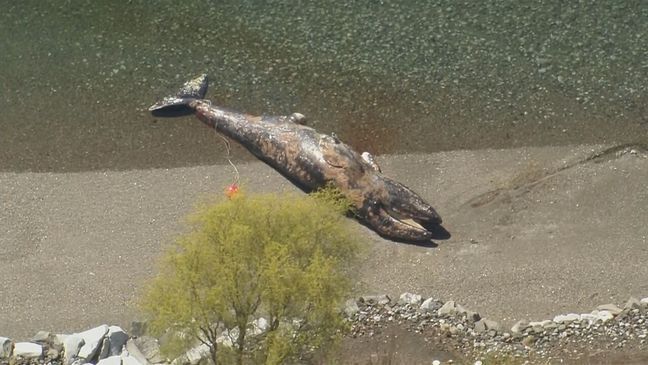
[[606, 327], [103, 345]]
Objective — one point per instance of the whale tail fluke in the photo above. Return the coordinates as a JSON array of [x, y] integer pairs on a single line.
[[178, 104]]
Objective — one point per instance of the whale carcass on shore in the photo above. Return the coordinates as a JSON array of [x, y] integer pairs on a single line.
[[312, 160]]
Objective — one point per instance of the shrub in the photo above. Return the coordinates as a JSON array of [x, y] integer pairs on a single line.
[[283, 258]]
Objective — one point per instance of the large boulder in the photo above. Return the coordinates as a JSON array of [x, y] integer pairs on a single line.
[[27, 350], [149, 347], [130, 360], [135, 352], [111, 360], [104, 349], [58, 341], [117, 339], [93, 339], [71, 346]]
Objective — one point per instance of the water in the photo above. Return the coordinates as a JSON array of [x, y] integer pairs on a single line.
[[77, 76]]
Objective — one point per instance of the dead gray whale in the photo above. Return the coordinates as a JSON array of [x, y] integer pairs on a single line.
[[312, 160]]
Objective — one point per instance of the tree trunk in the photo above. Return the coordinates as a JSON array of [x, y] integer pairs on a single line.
[[240, 344], [212, 352]]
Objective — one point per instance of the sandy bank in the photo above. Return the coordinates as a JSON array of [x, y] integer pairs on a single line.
[[535, 232]]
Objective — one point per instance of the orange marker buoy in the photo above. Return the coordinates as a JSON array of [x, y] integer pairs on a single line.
[[232, 190]]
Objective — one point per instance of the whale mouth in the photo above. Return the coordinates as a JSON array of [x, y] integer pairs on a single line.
[[416, 218], [405, 219], [412, 222], [429, 226]]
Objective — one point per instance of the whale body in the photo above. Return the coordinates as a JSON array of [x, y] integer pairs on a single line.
[[312, 160]]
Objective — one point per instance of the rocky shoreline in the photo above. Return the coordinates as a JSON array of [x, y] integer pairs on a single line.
[[567, 336]]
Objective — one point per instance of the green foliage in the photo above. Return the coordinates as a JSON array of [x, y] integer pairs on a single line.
[[332, 196], [284, 258]]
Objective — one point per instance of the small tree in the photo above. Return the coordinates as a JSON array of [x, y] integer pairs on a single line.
[[283, 258]]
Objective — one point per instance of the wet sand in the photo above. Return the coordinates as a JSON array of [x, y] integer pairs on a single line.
[[535, 232]]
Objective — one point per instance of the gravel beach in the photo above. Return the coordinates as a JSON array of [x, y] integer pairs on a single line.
[[535, 232]]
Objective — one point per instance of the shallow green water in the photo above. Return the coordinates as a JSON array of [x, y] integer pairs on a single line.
[[387, 76]]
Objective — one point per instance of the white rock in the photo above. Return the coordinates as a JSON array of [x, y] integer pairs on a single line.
[[478, 362], [436, 362], [6, 347], [540, 323], [193, 356], [351, 307], [644, 300], [409, 298], [59, 340], [112, 360], [612, 308], [93, 339], [198, 353], [428, 305], [259, 326], [449, 308], [117, 338], [150, 348], [105, 349], [71, 346], [603, 315], [224, 340], [27, 350], [227, 337], [589, 317], [567, 318], [520, 326], [130, 360], [134, 351]]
